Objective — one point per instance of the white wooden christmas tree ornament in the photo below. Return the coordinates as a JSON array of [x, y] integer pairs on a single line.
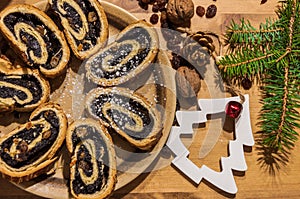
[[224, 180]]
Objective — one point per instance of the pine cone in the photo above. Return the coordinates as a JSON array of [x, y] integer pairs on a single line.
[[196, 54]]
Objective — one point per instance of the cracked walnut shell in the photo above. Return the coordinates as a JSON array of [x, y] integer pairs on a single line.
[[188, 82], [180, 11]]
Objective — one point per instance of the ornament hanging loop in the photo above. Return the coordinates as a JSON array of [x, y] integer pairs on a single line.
[[235, 92]]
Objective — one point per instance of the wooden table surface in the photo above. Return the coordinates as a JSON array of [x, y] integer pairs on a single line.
[[167, 182]]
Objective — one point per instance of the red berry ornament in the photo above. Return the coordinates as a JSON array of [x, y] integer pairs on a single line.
[[233, 109]]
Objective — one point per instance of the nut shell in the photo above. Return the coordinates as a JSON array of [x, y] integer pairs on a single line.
[[180, 11], [188, 82]]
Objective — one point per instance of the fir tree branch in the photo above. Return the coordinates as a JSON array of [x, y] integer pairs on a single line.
[[271, 52], [247, 61], [253, 31], [286, 77], [249, 48], [244, 34]]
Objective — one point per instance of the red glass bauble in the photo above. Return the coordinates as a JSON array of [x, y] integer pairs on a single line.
[[233, 109]]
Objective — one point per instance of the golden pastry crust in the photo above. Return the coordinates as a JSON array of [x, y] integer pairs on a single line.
[[137, 121], [30, 32], [87, 29], [128, 56], [35, 88], [31, 149], [90, 135]]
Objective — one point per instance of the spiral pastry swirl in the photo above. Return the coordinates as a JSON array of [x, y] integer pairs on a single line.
[[133, 51], [129, 114], [85, 25], [36, 38], [29, 150], [21, 89], [93, 163]]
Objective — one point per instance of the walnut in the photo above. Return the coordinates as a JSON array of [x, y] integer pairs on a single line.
[[180, 11], [188, 82]]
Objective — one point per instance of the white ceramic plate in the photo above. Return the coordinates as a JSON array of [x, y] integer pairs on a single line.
[[130, 164]]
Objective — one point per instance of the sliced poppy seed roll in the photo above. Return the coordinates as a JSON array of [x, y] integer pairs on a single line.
[[30, 150], [128, 113], [21, 89], [132, 52], [93, 162], [36, 38], [85, 25]]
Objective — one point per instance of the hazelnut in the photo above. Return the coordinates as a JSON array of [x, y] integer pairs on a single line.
[[23, 146], [82, 155], [188, 82], [83, 165], [54, 61], [24, 57], [41, 29], [92, 17], [20, 157], [81, 131], [28, 125], [46, 113], [80, 47], [180, 12], [73, 162], [16, 140], [23, 38], [46, 134]]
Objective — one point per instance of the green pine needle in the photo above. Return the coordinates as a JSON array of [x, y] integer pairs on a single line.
[[271, 53]]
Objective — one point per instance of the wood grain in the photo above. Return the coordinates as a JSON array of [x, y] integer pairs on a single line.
[[167, 182]]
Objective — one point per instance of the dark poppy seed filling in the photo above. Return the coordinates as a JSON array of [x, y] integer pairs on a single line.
[[32, 141], [92, 160], [118, 60], [88, 36], [33, 43], [50, 116], [139, 34], [13, 86], [123, 112], [30, 31], [71, 14], [7, 92]]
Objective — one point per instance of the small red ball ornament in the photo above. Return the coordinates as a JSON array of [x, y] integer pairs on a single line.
[[233, 109]]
